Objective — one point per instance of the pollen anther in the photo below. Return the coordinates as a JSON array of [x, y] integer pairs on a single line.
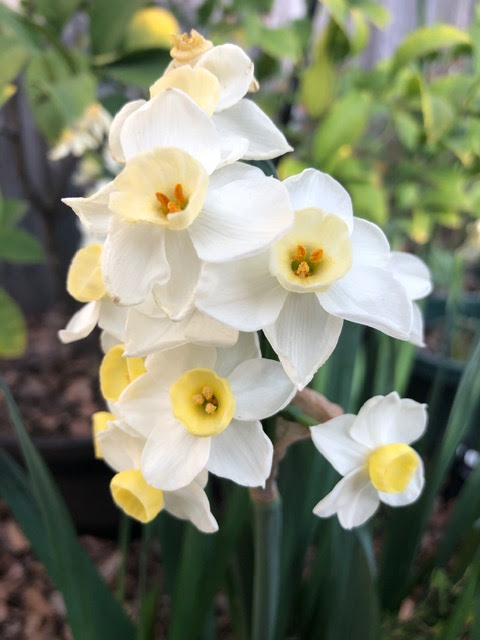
[[178, 203], [210, 408], [198, 398], [303, 270], [207, 393], [316, 255], [300, 253]]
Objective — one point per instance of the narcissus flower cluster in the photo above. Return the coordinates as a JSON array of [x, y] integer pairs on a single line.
[[193, 250]]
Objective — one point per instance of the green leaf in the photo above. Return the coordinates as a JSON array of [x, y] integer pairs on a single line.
[[428, 40], [408, 129], [317, 85], [139, 69], [378, 15], [14, 56], [92, 611], [108, 23], [12, 211], [369, 201], [345, 124], [338, 9], [19, 246], [13, 331], [438, 115], [56, 12]]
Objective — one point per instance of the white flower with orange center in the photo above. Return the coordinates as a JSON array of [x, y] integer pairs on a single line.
[[329, 267], [121, 448], [200, 407], [167, 215], [372, 451], [85, 284]]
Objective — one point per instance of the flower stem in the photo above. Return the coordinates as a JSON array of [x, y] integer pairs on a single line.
[[267, 536], [123, 542]]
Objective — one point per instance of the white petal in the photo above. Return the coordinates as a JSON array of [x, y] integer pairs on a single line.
[[335, 443], [248, 122], [176, 297], [107, 341], [172, 457], [120, 450], [133, 260], [112, 318], [234, 70], [116, 128], [370, 296], [232, 148], [172, 119], [247, 346], [313, 188], [93, 211], [191, 503], [170, 365], [144, 334], [200, 329], [240, 218], [261, 389], [82, 323], [389, 419], [417, 336], [242, 453], [353, 499], [411, 493], [303, 336], [236, 171], [241, 294], [413, 273], [369, 244]]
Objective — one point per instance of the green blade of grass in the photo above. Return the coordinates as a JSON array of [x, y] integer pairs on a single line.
[[92, 609]]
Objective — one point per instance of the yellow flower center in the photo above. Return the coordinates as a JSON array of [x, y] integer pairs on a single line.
[[135, 496], [188, 46], [178, 203], [117, 372], [392, 467], [203, 402], [314, 254]]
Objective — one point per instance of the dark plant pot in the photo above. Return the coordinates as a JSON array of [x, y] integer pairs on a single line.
[[83, 481], [430, 367]]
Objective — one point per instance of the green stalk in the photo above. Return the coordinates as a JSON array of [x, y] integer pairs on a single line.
[[267, 536], [142, 576], [123, 542]]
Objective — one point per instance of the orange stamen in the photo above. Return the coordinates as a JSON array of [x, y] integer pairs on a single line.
[[163, 200], [303, 270], [300, 253], [316, 255], [178, 194], [173, 207]]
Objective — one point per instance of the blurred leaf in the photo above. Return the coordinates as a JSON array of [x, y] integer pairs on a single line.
[[13, 330], [338, 9], [409, 131], [369, 201], [56, 12], [57, 94], [421, 226], [139, 69], [12, 211], [438, 115], [6, 93], [345, 124], [428, 40], [19, 246], [14, 56], [462, 611], [317, 85], [290, 166], [279, 43], [376, 13], [108, 23], [92, 611], [361, 31]]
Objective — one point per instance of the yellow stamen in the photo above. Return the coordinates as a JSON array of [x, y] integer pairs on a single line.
[[316, 255], [178, 194], [303, 270], [210, 408], [207, 393], [198, 399]]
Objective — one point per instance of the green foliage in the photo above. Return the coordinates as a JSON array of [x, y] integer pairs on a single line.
[[13, 331], [36, 503], [427, 40]]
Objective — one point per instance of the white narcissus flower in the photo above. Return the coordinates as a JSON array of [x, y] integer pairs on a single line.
[[372, 452], [329, 267], [216, 81], [88, 132], [121, 448], [85, 284], [200, 407], [166, 216]]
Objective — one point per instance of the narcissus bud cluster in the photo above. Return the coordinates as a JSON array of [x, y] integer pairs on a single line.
[[194, 251]]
